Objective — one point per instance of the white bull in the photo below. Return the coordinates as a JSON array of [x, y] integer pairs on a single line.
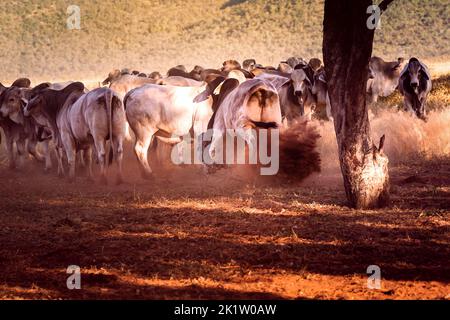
[[164, 111], [253, 103]]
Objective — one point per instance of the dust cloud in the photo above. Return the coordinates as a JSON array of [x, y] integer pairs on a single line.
[[406, 137]]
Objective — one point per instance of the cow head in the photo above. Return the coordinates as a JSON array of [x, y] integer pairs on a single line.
[[249, 64], [416, 72], [197, 69], [284, 67], [294, 61], [113, 75], [319, 86], [180, 67], [301, 82], [155, 75], [12, 104], [229, 65], [315, 64], [196, 73]]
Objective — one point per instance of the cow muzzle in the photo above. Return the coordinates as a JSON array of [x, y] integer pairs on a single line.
[[26, 112], [298, 93], [4, 112]]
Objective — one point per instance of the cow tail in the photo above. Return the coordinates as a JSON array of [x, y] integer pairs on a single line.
[[109, 110]]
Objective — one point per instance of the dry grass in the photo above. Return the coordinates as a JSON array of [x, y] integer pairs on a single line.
[[155, 35], [439, 98]]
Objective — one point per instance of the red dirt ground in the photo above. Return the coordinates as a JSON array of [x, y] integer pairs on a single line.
[[185, 236]]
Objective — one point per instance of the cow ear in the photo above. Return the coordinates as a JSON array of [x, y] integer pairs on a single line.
[[106, 81], [2, 88], [322, 78], [425, 73], [309, 82], [22, 83]]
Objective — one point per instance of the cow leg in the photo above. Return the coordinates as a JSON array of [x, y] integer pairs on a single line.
[[143, 140], [32, 149], [47, 156], [118, 146], [11, 153], [213, 146], [60, 156], [87, 155], [82, 159], [71, 154], [101, 156], [408, 106], [20, 144]]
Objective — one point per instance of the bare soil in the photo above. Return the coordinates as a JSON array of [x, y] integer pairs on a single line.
[[188, 236]]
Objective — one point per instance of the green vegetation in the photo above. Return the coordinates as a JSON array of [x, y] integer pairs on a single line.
[[154, 34]]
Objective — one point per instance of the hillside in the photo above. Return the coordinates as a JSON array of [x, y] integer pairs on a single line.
[[154, 35]]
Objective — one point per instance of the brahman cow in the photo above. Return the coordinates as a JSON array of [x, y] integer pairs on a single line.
[[167, 112], [122, 83], [80, 120], [18, 129], [322, 108], [251, 104], [415, 85], [383, 77]]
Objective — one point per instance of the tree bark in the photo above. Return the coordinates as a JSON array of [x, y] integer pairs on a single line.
[[347, 48]]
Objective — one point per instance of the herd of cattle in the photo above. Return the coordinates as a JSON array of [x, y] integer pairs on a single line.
[[79, 121]]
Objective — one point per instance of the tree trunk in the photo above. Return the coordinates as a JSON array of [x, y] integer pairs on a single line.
[[347, 48]]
